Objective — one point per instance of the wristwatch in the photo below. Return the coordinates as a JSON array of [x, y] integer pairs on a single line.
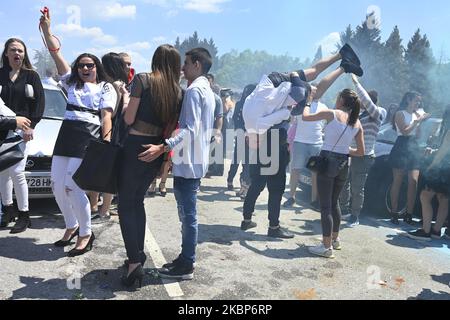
[[308, 105]]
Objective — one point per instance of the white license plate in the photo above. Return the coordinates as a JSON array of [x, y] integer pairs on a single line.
[[305, 180], [39, 182]]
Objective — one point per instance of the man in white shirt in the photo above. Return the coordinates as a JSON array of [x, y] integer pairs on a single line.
[[266, 110], [191, 157]]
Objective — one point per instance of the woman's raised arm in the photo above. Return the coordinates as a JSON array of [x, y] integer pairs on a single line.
[[53, 44]]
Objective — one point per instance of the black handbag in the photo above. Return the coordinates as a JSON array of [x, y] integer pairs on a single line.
[[99, 169], [317, 164], [10, 152], [321, 163]]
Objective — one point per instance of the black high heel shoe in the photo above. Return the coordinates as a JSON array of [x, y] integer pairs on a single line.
[[162, 186], [136, 275], [408, 219], [394, 218], [62, 243], [76, 252], [126, 263]]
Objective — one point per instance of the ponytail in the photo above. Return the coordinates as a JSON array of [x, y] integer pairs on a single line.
[[351, 103]]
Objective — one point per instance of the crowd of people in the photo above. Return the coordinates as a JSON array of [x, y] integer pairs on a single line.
[[171, 128]]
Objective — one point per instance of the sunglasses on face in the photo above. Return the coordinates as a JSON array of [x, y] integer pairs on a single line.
[[90, 66]]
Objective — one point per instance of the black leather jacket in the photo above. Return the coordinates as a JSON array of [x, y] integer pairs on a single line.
[[6, 124]]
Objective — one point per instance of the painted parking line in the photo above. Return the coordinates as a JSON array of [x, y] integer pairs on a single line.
[[172, 288]]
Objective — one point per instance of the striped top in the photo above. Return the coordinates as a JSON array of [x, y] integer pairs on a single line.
[[371, 120]]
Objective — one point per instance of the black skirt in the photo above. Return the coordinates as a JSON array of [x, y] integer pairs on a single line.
[[406, 154], [74, 138], [437, 180]]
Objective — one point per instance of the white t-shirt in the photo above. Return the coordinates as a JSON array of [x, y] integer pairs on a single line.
[[91, 96], [311, 132]]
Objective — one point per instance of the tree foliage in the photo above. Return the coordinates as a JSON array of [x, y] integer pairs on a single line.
[[43, 62], [194, 42], [389, 67]]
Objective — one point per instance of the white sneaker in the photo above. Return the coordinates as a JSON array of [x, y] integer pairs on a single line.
[[346, 216], [337, 244], [321, 251]]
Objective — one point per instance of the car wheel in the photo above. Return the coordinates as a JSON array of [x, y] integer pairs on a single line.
[[402, 199]]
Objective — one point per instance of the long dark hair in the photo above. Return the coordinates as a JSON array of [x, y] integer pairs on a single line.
[[248, 90], [115, 67], [75, 77], [26, 61], [406, 100], [165, 82], [351, 103]]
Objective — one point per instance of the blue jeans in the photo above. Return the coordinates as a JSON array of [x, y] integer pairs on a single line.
[[186, 195]]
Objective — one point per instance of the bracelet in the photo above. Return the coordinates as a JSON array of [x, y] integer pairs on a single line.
[[45, 43], [57, 49]]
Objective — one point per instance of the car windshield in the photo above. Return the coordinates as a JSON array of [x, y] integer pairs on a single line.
[[55, 104]]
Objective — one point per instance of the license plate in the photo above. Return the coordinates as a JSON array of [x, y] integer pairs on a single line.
[[305, 180], [39, 182]]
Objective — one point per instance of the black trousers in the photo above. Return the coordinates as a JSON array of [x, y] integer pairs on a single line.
[[276, 183], [237, 160], [329, 189], [135, 178]]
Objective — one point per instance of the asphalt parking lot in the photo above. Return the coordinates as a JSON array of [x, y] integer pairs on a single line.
[[377, 262]]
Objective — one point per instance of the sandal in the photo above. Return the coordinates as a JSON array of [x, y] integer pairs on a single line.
[[408, 219], [394, 218]]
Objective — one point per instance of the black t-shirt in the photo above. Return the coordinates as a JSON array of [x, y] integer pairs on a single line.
[[140, 88], [13, 94]]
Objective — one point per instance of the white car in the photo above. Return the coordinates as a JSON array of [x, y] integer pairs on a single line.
[[41, 148]]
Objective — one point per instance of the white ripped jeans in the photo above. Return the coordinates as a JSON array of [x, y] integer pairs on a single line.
[[14, 177], [72, 201]]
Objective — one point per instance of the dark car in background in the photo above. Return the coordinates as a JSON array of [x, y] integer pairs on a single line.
[[378, 185], [379, 181]]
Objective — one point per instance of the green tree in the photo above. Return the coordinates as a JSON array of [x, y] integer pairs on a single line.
[[367, 43], [394, 81], [43, 62], [236, 70], [319, 55], [195, 42], [419, 63], [346, 37]]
